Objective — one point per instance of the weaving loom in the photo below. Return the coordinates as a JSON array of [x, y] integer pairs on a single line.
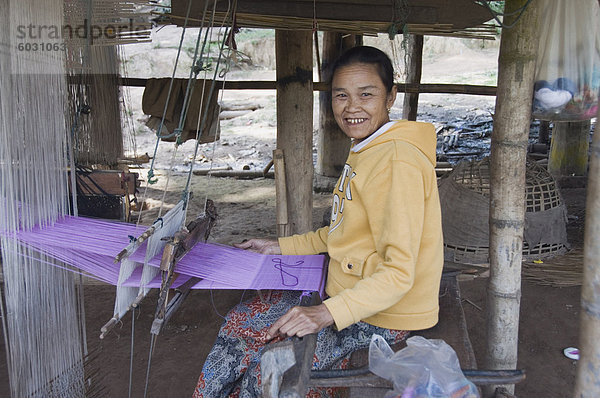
[[36, 229]]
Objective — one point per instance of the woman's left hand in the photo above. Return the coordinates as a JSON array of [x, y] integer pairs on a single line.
[[300, 321]]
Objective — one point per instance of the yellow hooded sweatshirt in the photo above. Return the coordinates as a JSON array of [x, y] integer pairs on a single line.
[[385, 235]]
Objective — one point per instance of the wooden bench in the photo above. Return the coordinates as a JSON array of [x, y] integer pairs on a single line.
[[285, 366]]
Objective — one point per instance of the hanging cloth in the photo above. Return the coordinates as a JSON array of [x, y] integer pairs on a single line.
[[153, 104], [568, 65]]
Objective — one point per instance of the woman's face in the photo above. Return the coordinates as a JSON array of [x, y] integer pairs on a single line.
[[360, 101]]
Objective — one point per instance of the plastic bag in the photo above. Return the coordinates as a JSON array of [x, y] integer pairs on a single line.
[[424, 369], [567, 78]]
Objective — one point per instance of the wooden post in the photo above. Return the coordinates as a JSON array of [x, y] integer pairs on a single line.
[[516, 64], [101, 141], [414, 48], [332, 144], [293, 51], [544, 135], [280, 193], [588, 367], [569, 148]]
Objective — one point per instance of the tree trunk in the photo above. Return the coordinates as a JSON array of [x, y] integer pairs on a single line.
[[507, 190], [415, 65], [569, 148], [588, 368], [293, 51]]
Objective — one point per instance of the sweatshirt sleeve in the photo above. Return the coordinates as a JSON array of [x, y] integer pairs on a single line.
[[395, 204], [313, 242]]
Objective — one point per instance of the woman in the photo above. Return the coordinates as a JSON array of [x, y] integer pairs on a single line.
[[384, 242]]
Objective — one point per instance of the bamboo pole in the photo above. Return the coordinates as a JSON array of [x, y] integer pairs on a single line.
[[588, 368], [516, 64], [293, 52], [415, 66]]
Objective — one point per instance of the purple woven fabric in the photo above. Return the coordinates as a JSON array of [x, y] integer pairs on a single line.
[[91, 245]]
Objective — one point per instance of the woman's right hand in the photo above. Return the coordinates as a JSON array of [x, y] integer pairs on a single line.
[[262, 246]]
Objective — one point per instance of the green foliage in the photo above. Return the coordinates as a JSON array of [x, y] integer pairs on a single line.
[[497, 6], [254, 35]]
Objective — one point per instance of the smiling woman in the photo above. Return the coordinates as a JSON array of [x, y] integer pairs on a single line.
[[361, 101], [384, 242]]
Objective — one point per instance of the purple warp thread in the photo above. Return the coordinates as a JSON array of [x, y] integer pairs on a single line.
[[91, 245]]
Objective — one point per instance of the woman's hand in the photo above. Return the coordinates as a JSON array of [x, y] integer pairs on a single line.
[[301, 321], [262, 246]]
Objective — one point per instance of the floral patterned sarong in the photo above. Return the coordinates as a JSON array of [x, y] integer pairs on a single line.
[[232, 368]]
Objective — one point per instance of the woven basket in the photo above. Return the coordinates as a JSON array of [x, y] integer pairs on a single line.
[[542, 195]]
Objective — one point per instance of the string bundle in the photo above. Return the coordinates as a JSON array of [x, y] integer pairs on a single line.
[[41, 310]]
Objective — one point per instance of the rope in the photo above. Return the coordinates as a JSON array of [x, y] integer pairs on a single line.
[[151, 179], [400, 11], [151, 351], [495, 14], [196, 69], [224, 76], [165, 189], [186, 193], [131, 355]]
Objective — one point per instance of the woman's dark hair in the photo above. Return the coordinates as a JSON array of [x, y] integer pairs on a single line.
[[368, 55]]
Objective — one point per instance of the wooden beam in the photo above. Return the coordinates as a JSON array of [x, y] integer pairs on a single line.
[[460, 13], [507, 185], [415, 66], [437, 88], [293, 52]]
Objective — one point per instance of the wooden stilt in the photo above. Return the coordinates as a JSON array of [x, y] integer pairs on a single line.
[[588, 367], [102, 142], [280, 193], [569, 148], [507, 188], [332, 144], [415, 66], [544, 136], [293, 51]]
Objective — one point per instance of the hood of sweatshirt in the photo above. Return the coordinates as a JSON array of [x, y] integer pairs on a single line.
[[422, 135]]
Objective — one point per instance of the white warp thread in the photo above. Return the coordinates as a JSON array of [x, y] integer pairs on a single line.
[[41, 326]]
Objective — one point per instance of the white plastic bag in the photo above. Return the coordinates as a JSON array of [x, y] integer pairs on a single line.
[[424, 369], [567, 76]]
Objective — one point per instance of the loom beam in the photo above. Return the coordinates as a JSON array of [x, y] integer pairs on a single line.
[[178, 246]]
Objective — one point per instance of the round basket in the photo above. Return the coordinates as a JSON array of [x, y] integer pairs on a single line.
[[464, 195]]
